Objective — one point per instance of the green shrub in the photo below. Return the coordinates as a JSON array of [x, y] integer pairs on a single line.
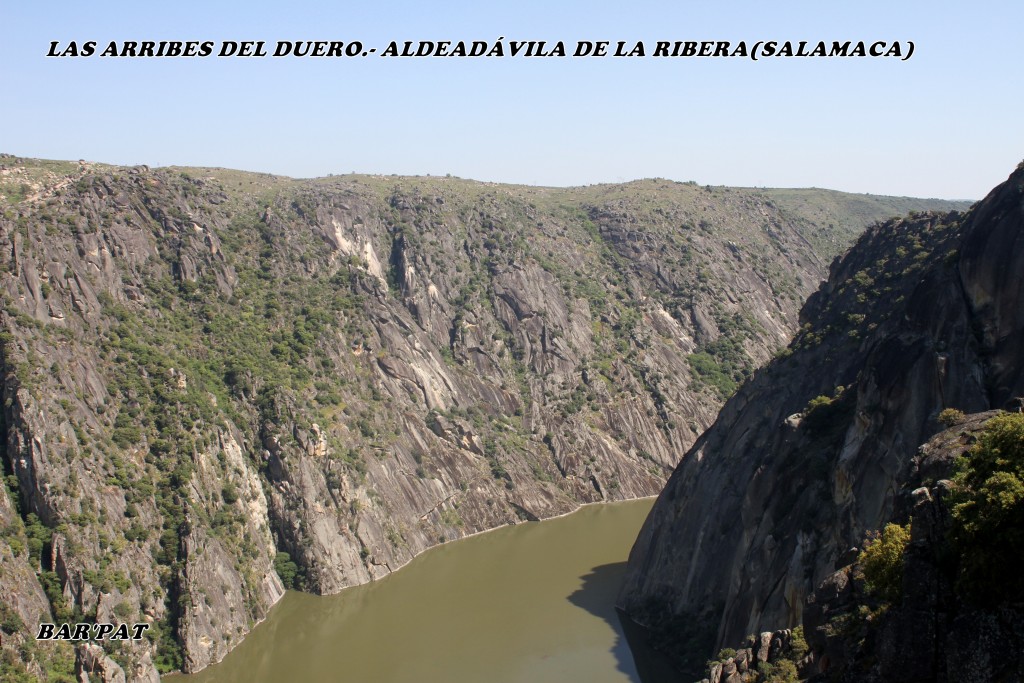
[[55, 592], [39, 535], [799, 644], [882, 562], [951, 416], [286, 569], [10, 621], [723, 364], [988, 513], [169, 656], [782, 671], [229, 493], [726, 653]]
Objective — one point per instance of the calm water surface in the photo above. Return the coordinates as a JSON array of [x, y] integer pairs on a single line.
[[533, 602]]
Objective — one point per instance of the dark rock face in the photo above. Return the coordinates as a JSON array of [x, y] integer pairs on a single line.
[[217, 384], [932, 633], [922, 314]]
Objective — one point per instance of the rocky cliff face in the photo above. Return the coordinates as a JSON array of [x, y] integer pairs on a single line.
[[935, 630], [922, 314], [217, 385]]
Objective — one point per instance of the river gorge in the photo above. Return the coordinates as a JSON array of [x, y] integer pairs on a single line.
[[530, 602]]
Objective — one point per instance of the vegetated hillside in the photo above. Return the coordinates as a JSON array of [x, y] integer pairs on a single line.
[[826, 216], [921, 315], [218, 384]]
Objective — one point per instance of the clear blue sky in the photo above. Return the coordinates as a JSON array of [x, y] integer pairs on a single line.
[[946, 123]]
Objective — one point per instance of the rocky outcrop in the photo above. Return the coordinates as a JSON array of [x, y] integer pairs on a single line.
[[217, 385], [757, 656], [921, 315], [93, 664]]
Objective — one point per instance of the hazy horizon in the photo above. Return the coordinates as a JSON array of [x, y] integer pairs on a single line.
[[482, 181]]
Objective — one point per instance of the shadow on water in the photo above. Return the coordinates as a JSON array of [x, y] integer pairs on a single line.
[[634, 656], [652, 666], [597, 596]]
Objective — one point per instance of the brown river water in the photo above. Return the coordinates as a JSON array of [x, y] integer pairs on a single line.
[[528, 603]]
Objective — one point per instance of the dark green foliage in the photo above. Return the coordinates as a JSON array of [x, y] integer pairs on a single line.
[[169, 656], [126, 433], [39, 536], [57, 663], [498, 470], [136, 532], [286, 569], [951, 416], [714, 373], [724, 363], [988, 513], [10, 622], [12, 670], [782, 671], [106, 580], [882, 562], [55, 592], [873, 291], [229, 493]]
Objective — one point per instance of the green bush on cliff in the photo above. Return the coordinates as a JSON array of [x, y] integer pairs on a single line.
[[10, 622], [286, 569], [988, 513], [882, 562], [39, 536], [825, 415], [951, 416], [782, 671]]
